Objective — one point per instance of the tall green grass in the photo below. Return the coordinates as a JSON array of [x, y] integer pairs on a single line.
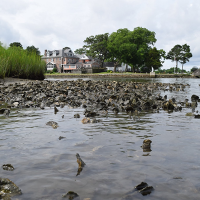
[[17, 62]]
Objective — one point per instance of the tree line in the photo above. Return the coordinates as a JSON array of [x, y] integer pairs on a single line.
[[30, 49], [134, 48]]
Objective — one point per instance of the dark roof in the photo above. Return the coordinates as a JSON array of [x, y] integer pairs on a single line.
[[91, 62]]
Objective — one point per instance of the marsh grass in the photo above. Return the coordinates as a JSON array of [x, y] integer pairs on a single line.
[[17, 62]]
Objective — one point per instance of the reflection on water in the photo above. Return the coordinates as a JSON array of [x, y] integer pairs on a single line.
[[46, 166]]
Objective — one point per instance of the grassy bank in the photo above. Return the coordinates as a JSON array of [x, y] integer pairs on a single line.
[[16, 62], [123, 75]]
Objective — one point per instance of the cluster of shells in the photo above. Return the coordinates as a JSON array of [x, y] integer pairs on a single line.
[[93, 95]]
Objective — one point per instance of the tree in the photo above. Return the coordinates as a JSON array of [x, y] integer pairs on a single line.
[[16, 44], [66, 48], [80, 51], [153, 58], [179, 54], [32, 49], [96, 47], [185, 55], [118, 47], [145, 69], [131, 47], [194, 69], [174, 54]]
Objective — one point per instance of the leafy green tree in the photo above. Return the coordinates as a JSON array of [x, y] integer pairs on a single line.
[[154, 58], [96, 47], [175, 54], [1, 44], [143, 40], [80, 51], [145, 69], [32, 49], [119, 47], [131, 47], [194, 69], [171, 70], [179, 54], [185, 55], [16, 44], [66, 48]]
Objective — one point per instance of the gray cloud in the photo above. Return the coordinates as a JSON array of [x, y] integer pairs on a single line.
[[56, 24], [7, 33]]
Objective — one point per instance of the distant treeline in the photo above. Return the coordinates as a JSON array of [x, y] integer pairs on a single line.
[[21, 63]]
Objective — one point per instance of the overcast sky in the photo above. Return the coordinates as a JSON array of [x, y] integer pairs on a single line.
[[54, 24]]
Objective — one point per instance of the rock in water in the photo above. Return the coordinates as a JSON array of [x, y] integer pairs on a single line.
[[6, 113], [147, 145], [8, 167], [147, 190], [71, 195], [141, 185], [76, 115], [53, 124], [85, 120], [8, 189], [55, 110], [61, 137], [80, 161]]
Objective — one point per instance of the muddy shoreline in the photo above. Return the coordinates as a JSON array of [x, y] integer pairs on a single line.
[[116, 76], [8, 80]]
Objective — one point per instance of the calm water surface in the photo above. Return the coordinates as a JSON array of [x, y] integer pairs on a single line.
[[46, 167]]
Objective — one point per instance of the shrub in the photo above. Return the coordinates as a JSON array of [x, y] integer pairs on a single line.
[[55, 70]]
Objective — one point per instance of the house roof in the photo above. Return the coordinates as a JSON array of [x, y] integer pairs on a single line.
[[60, 53], [52, 63], [83, 56], [90, 62]]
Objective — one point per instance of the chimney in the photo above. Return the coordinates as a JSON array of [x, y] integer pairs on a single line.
[[45, 52]]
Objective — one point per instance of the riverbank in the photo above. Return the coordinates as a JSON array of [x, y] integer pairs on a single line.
[[120, 75]]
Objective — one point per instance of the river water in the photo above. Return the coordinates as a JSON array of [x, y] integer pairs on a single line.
[[46, 167]]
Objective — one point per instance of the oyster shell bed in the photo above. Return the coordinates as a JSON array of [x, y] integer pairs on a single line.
[[95, 95]]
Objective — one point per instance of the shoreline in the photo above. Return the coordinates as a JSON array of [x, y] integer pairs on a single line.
[[8, 80], [117, 75]]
